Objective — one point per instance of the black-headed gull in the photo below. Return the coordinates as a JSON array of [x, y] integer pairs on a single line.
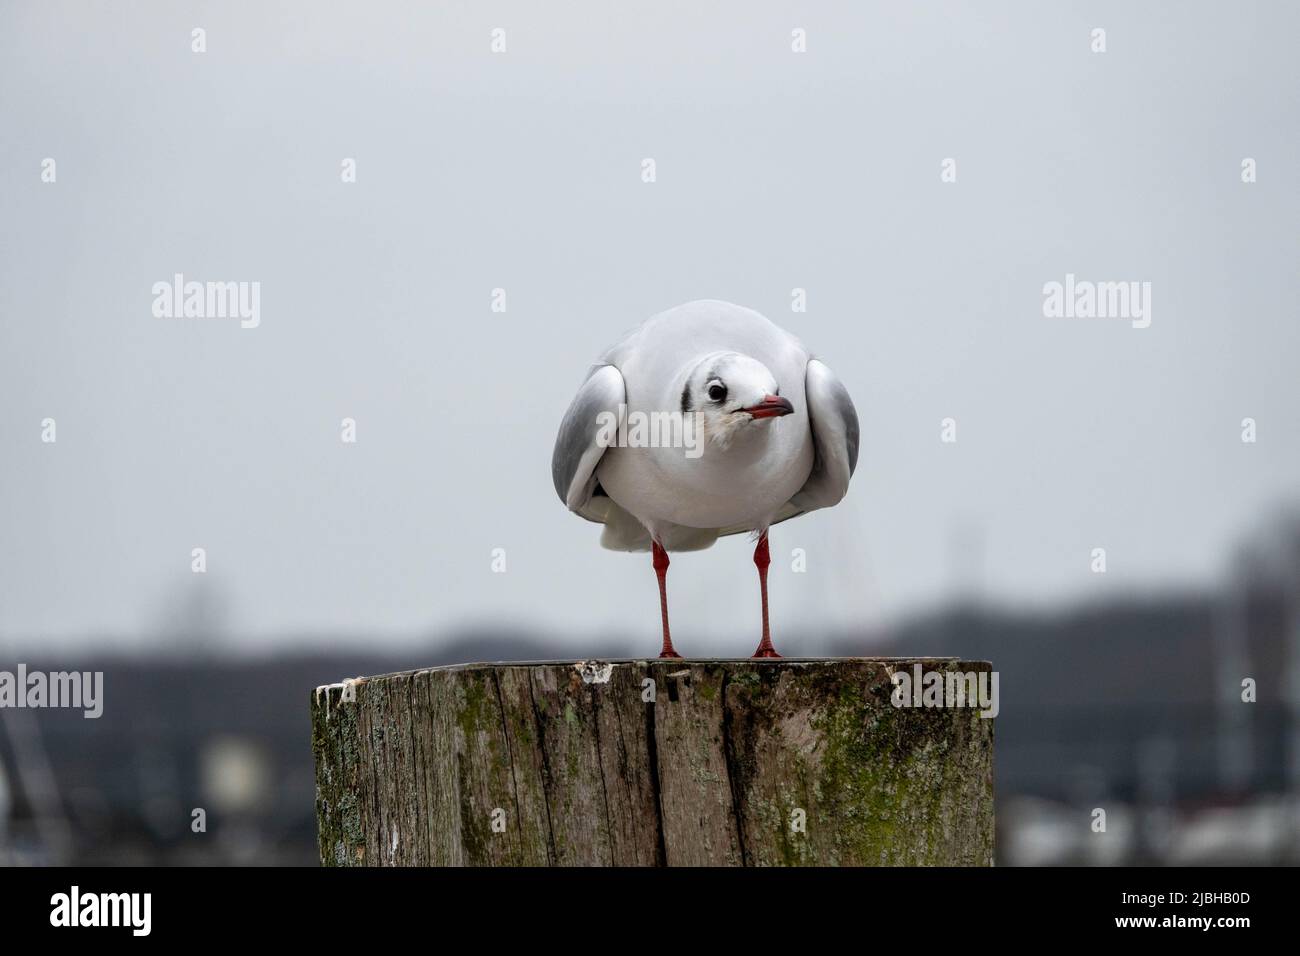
[[705, 420]]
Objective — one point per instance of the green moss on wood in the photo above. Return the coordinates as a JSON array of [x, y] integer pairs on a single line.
[[713, 772]]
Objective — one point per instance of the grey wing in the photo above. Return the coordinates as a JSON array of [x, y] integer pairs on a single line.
[[834, 423], [577, 450]]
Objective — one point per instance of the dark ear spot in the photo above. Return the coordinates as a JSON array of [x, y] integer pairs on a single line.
[[686, 398]]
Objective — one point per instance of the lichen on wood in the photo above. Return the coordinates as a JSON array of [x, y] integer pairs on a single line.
[[650, 762]]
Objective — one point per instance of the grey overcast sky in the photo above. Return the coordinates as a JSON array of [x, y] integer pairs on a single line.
[[522, 170]]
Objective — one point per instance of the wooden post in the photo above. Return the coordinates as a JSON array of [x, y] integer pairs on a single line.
[[650, 762]]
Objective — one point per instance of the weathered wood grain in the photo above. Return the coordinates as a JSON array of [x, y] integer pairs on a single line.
[[649, 762]]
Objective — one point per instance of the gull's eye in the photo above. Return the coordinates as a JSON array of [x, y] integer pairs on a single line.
[[717, 391]]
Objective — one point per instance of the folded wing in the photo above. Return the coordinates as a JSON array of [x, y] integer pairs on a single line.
[[834, 423], [577, 451]]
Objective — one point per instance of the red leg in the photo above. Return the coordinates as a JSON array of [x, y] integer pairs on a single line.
[[761, 560], [661, 570]]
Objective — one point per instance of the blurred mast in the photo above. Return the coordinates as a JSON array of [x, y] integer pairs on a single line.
[[36, 777], [1291, 624], [1230, 629]]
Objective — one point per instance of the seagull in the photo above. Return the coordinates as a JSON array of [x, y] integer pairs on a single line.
[[706, 420]]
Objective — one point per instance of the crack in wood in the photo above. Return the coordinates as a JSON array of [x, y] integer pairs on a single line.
[[600, 763], [733, 770], [552, 852], [652, 757], [510, 758]]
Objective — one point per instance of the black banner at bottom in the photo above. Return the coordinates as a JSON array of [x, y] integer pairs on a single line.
[[917, 907]]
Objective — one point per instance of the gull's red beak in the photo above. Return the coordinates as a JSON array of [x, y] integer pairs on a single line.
[[772, 406]]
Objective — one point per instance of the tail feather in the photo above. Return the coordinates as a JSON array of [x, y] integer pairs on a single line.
[[623, 532]]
